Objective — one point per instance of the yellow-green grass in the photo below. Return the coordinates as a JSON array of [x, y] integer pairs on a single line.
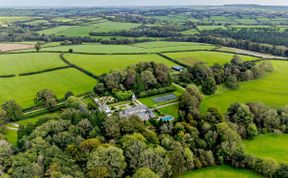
[[246, 21], [106, 26], [11, 136], [190, 32], [148, 101], [28, 62], [55, 30], [148, 47], [10, 19], [210, 27], [99, 64], [209, 57], [223, 171], [23, 89], [162, 46], [171, 110], [33, 120], [271, 89], [98, 48], [269, 146]]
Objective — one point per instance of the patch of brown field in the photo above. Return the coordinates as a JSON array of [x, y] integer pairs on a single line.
[[14, 47]]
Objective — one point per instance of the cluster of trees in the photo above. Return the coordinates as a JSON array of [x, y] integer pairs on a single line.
[[260, 35], [230, 74], [148, 31], [133, 19], [137, 78], [208, 37], [84, 142], [87, 143], [255, 118]]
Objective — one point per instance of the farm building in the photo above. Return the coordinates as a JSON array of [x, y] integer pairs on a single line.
[[178, 68]]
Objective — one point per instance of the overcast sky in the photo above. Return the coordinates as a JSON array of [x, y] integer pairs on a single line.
[[134, 2]]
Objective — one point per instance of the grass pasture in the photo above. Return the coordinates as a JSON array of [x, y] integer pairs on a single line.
[[106, 26], [166, 46], [209, 27], [147, 47], [271, 146], [270, 89], [209, 57], [223, 171], [99, 64], [23, 89], [98, 48], [30, 62]]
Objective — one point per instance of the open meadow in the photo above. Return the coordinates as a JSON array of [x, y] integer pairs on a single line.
[[270, 89], [148, 47], [23, 89], [106, 26], [30, 62], [220, 172], [209, 57], [271, 146], [99, 64]]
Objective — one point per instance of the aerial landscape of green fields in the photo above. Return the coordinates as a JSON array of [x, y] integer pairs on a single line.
[[143, 89]]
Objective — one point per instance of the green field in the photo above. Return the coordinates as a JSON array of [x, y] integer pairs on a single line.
[[162, 46], [22, 63], [271, 146], [210, 27], [190, 32], [209, 57], [99, 64], [171, 110], [148, 47], [246, 21], [270, 89], [4, 20], [150, 103], [223, 171], [23, 89], [84, 30]]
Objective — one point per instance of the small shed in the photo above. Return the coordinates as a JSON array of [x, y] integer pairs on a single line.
[[178, 68]]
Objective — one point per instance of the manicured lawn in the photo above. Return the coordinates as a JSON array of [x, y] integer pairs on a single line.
[[148, 47], [148, 101], [171, 110], [223, 171], [272, 146], [11, 136], [270, 89], [99, 64], [23, 89], [21, 63], [210, 57]]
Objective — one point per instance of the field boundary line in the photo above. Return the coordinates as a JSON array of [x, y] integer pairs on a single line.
[[44, 71], [78, 67], [172, 60]]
